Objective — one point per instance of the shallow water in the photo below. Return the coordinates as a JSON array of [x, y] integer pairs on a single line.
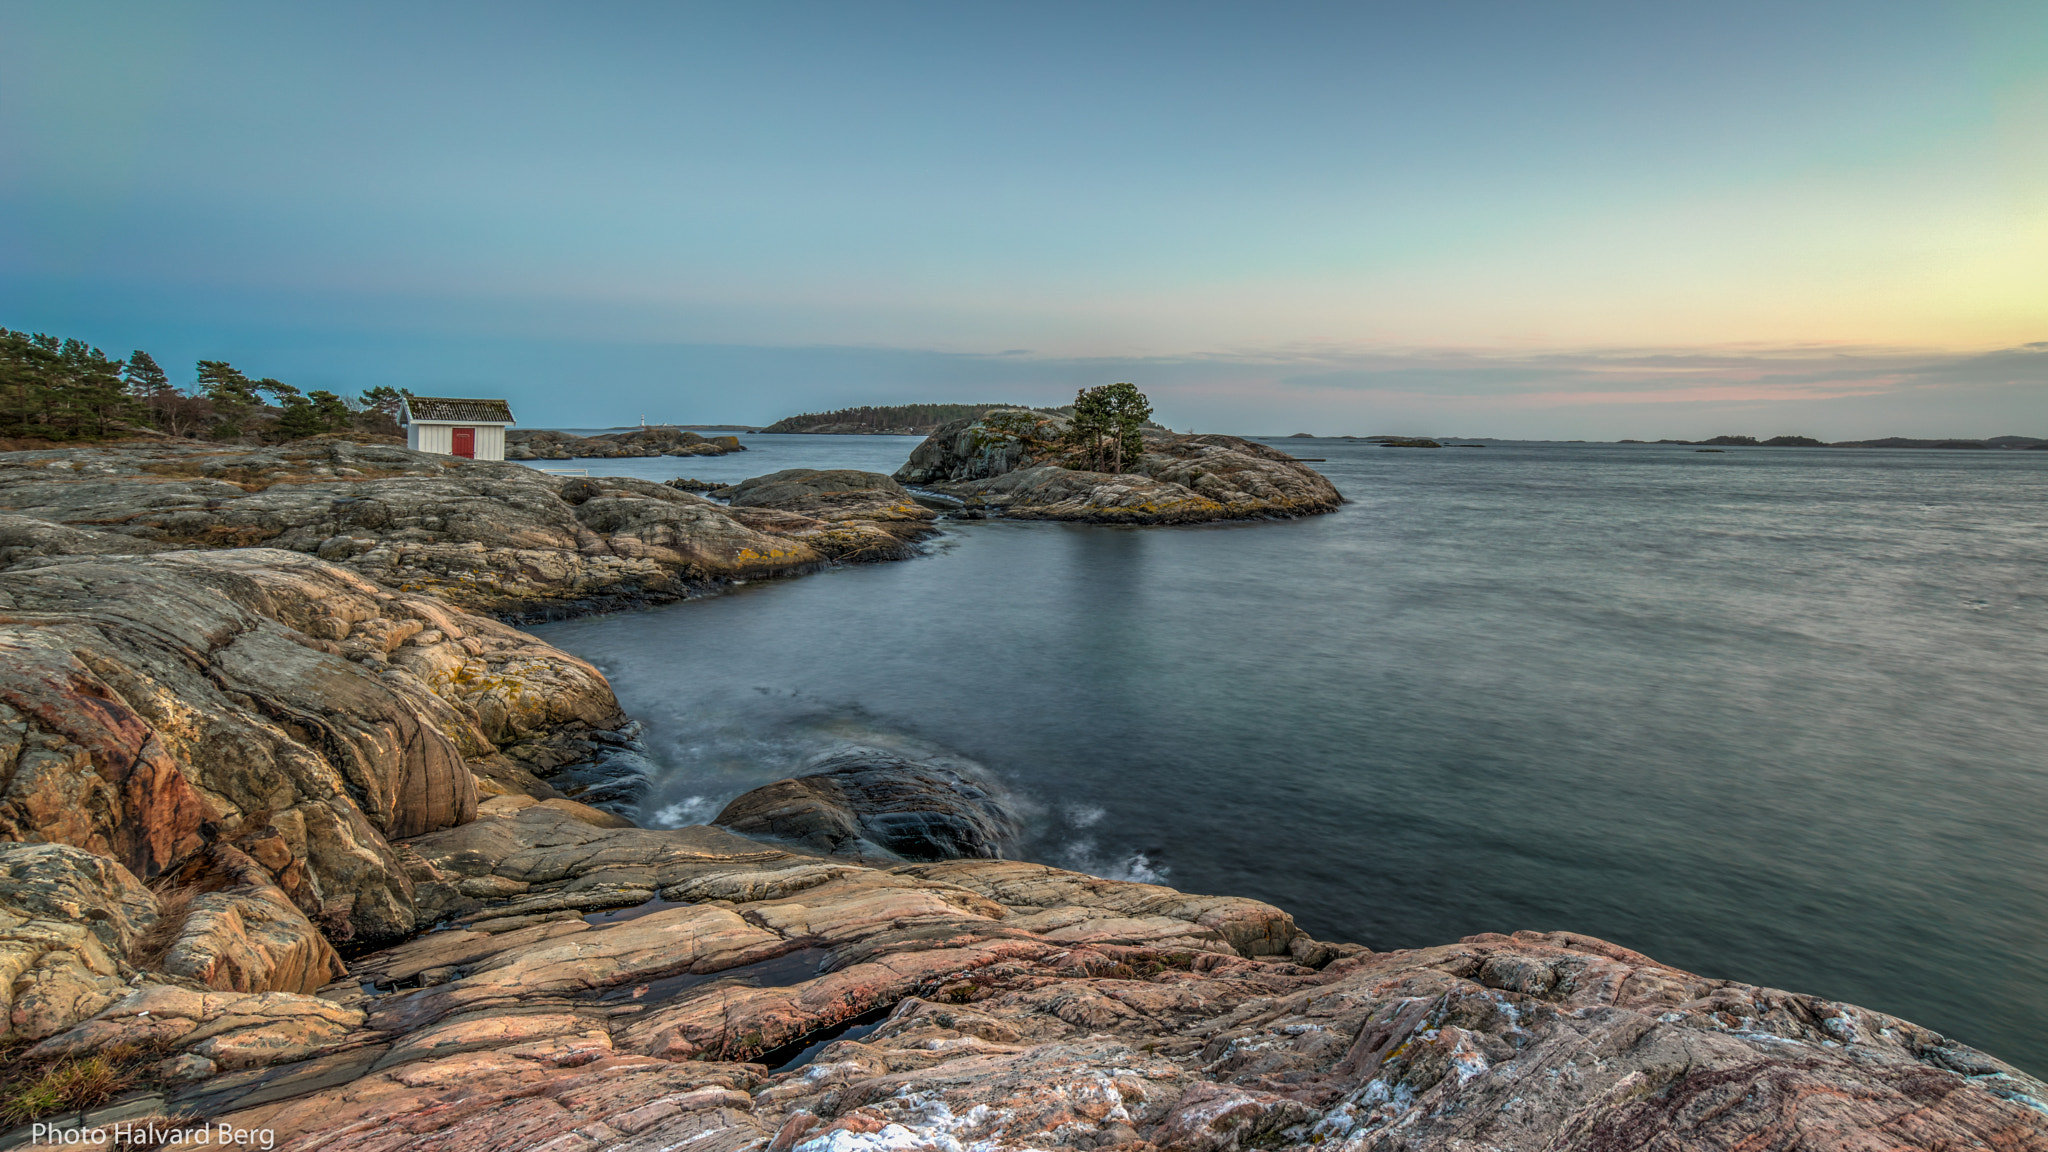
[[1766, 714]]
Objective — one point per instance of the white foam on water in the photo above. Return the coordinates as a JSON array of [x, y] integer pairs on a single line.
[[689, 810], [1081, 856], [1084, 815]]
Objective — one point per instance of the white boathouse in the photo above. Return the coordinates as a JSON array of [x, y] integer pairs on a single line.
[[454, 426]]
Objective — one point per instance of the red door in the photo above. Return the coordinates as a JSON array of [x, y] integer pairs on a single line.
[[465, 443]]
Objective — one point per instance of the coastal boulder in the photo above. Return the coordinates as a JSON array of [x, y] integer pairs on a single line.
[[867, 804]]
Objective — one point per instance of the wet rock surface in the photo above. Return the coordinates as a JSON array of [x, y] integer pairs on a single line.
[[869, 805], [1177, 480]]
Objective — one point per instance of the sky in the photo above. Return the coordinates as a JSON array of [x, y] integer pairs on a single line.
[[1572, 220]]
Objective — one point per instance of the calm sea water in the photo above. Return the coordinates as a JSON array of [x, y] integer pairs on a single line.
[[1775, 715]]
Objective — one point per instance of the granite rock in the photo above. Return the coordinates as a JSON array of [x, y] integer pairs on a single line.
[[69, 920], [1177, 480], [832, 494], [1010, 1006], [151, 707], [489, 537], [870, 805]]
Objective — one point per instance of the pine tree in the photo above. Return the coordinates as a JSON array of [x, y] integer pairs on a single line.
[[233, 395], [1088, 427], [1126, 410], [300, 418], [377, 410], [169, 409], [146, 381], [332, 411], [1106, 426]]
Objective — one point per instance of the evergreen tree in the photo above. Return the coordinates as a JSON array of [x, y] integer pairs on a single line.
[[333, 412], [378, 410], [1088, 427], [60, 389], [233, 395], [1106, 426], [169, 409], [300, 418], [28, 364], [98, 395], [1126, 410], [146, 381]]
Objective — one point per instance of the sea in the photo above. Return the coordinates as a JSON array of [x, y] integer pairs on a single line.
[[1773, 715]]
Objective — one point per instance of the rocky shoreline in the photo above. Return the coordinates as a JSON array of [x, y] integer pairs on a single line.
[[290, 846]]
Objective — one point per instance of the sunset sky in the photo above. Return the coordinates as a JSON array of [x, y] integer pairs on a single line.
[[1571, 220]]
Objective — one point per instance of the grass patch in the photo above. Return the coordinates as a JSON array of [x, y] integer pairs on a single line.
[[70, 1085], [173, 907]]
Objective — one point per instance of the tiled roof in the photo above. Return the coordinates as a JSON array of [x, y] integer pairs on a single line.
[[454, 408]]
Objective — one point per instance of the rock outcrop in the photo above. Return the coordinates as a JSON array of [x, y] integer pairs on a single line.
[[69, 920], [495, 538], [1178, 480], [832, 494], [634, 989], [870, 516], [156, 707], [869, 805]]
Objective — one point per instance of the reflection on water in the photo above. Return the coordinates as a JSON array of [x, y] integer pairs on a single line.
[[1772, 715]]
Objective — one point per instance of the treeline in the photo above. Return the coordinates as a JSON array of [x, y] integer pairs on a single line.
[[879, 418], [56, 389]]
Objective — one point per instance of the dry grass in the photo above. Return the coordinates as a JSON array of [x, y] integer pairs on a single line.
[[174, 906], [72, 1085]]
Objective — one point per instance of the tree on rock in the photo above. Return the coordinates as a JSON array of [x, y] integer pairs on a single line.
[[334, 412], [1108, 425], [146, 378], [300, 418], [171, 409], [233, 395]]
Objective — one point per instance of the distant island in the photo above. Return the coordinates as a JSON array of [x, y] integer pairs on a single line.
[[902, 419], [1887, 442], [1993, 442], [885, 420]]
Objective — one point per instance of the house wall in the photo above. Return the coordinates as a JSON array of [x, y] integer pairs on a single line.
[[421, 436], [439, 436]]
